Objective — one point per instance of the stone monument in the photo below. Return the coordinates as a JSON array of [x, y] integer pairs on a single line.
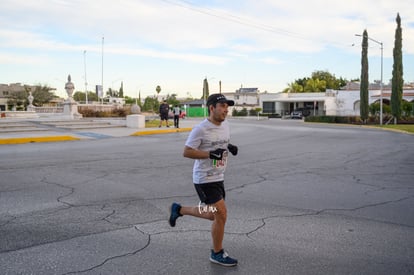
[[30, 107], [135, 109], [136, 120], [70, 106]]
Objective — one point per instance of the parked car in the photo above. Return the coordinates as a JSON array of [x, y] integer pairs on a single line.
[[299, 113], [171, 115], [296, 115]]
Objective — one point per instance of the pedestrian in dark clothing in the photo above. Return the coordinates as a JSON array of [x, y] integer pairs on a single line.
[[164, 109]]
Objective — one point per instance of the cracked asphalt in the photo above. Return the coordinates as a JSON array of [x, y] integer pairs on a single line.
[[302, 199]]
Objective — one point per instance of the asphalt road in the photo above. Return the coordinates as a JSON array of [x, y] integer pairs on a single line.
[[302, 199]]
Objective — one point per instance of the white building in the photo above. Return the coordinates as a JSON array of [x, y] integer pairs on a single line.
[[331, 102], [248, 98]]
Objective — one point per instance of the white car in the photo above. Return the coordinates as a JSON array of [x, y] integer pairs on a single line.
[[296, 114]]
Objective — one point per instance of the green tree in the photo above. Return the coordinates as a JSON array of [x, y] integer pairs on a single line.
[[112, 93], [302, 81], [150, 104], [42, 95], [294, 87], [319, 82], [397, 73], [315, 86], [407, 108], [363, 92], [172, 99], [121, 90], [17, 99], [374, 108], [331, 81], [92, 96], [206, 91], [80, 96], [129, 100]]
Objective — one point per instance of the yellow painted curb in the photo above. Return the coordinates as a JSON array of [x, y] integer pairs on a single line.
[[166, 131], [36, 139]]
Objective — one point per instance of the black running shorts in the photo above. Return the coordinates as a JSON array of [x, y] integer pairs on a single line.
[[210, 193], [164, 116]]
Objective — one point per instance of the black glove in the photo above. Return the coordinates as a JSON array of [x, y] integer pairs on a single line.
[[233, 149], [217, 154]]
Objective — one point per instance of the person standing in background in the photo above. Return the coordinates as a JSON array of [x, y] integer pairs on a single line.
[[177, 113], [164, 109]]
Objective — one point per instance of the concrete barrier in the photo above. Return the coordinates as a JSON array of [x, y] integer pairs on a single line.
[[19, 114], [135, 121]]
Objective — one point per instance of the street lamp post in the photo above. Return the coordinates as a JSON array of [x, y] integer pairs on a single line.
[[86, 83], [102, 69], [382, 49]]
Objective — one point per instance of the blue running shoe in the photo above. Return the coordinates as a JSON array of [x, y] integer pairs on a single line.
[[222, 258], [175, 213]]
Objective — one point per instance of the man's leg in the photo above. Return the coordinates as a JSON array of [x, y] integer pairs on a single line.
[[218, 255], [195, 211], [217, 227]]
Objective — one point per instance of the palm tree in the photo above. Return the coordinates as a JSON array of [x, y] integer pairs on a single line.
[[158, 89], [315, 85]]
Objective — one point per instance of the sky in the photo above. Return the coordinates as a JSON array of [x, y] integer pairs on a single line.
[[264, 44]]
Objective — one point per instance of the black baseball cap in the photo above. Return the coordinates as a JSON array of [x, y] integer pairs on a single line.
[[215, 98]]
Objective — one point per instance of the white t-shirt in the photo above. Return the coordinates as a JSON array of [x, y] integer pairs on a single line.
[[207, 136], [176, 111]]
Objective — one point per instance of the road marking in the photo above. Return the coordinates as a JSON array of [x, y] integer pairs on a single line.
[[164, 131], [93, 135], [36, 139]]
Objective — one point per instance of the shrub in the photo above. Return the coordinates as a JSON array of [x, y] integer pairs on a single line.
[[373, 120], [242, 112], [252, 112], [114, 113]]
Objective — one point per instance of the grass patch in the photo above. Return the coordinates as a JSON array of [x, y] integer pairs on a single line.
[[402, 127], [153, 123]]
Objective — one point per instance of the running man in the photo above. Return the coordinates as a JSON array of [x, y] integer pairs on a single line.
[[208, 144]]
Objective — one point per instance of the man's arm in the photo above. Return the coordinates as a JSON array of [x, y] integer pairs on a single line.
[[195, 154], [198, 154]]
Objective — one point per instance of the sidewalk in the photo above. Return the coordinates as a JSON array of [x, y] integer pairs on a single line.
[[17, 131]]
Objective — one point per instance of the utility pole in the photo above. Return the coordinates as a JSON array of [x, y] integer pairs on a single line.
[[102, 87], [86, 83]]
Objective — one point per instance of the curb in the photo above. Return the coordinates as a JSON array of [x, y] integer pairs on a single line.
[[23, 140], [167, 131], [37, 139]]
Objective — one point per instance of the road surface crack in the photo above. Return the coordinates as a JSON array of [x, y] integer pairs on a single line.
[[115, 257]]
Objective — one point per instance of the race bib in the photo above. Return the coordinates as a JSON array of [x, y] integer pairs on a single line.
[[222, 162]]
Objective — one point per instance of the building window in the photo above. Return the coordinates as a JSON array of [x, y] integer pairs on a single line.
[[357, 105], [269, 107]]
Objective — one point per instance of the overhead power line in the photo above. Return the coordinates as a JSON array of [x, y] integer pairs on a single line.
[[246, 22], [233, 18]]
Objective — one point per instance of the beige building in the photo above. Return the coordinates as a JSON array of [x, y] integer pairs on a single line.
[[245, 98], [6, 91]]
